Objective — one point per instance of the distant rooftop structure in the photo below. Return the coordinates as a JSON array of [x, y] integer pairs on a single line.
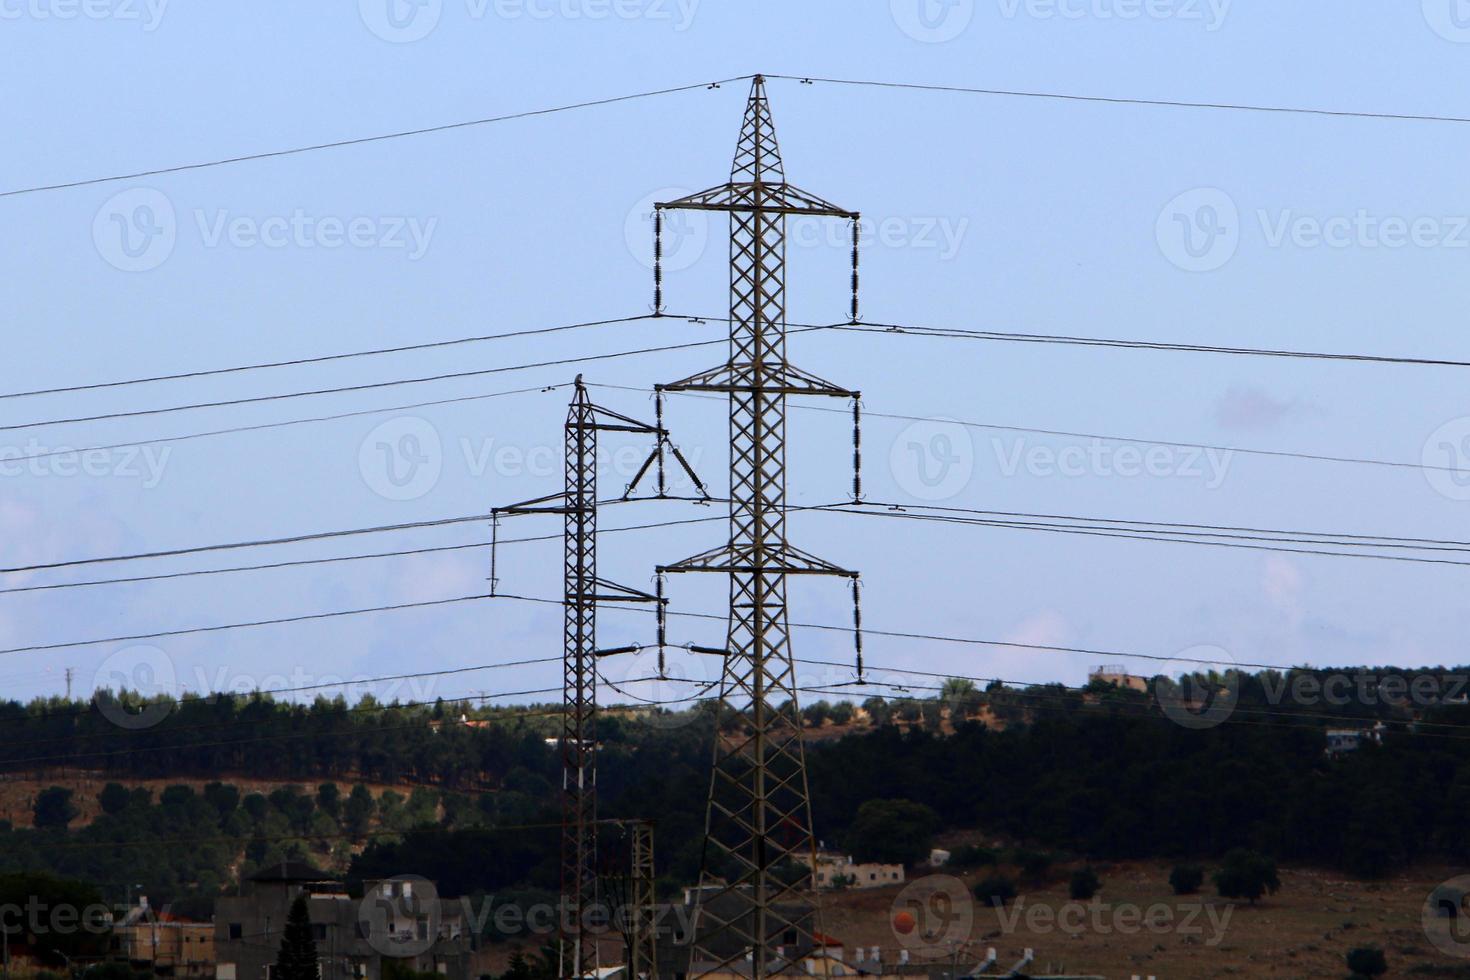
[[1118, 676]]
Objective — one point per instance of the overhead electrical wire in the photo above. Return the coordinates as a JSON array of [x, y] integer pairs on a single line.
[[361, 140], [806, 79], [1123, 100], [369, 386], [1100, 436], [324, 358]]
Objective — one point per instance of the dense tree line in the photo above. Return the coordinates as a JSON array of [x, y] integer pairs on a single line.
[[1101, 774]]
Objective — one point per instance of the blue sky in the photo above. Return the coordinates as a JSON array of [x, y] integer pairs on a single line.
[[987, 213]]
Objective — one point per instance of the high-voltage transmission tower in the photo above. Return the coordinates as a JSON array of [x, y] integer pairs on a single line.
[[759, 847], [584, 589]]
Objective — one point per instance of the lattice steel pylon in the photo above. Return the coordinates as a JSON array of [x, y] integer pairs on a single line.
[[758, 832], [583, 590], [643, 956]]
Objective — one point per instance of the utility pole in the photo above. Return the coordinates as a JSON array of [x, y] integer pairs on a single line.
[[643, 963], [758, 827], [582, 592], [69, 672]]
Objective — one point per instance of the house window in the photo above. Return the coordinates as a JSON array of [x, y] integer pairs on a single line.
[[235, 931]]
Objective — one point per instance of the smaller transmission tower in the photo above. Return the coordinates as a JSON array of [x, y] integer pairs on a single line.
[[583, 590], [643, 961]]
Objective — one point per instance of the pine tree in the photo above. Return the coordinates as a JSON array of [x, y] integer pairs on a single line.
[[297, 958]]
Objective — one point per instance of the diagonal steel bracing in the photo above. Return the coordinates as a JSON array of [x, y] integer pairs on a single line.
[[754, 914]]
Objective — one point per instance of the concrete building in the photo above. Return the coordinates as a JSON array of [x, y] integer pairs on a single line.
[[397, 919], [841, 871], [164, 944], [1344, 740]]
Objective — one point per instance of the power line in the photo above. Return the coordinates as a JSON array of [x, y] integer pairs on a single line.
[[320, 561], [1105, 437], [1140, 535], [1118, 100], [956, 333], [323, 358], [259, 542], [358, 141], [233, 430], [162, 634], [455, 375]]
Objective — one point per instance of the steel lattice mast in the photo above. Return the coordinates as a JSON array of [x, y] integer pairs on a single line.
[[758, 822], [582, 592]]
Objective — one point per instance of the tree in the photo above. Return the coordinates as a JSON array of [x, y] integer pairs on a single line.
[[1185, 879], [297, 958], [1367, 961], [329, 799], [1084, 884], [878, 710], [842, 712], [223, 797], [817, 713], [1248, 875], [54, 808], [995, 890], [358, 810], [892, 831], [114, 798], [962, 697]]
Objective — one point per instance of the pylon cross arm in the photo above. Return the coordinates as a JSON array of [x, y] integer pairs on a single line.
[[772, 198]]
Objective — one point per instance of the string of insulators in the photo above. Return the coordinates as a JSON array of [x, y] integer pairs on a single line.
[[661, 619], [857, 450], [658, 261], [658, 415], [494, 540], [857, 627], [855, 233]]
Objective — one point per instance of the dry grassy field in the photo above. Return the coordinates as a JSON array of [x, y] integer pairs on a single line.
[[1136, 926]]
